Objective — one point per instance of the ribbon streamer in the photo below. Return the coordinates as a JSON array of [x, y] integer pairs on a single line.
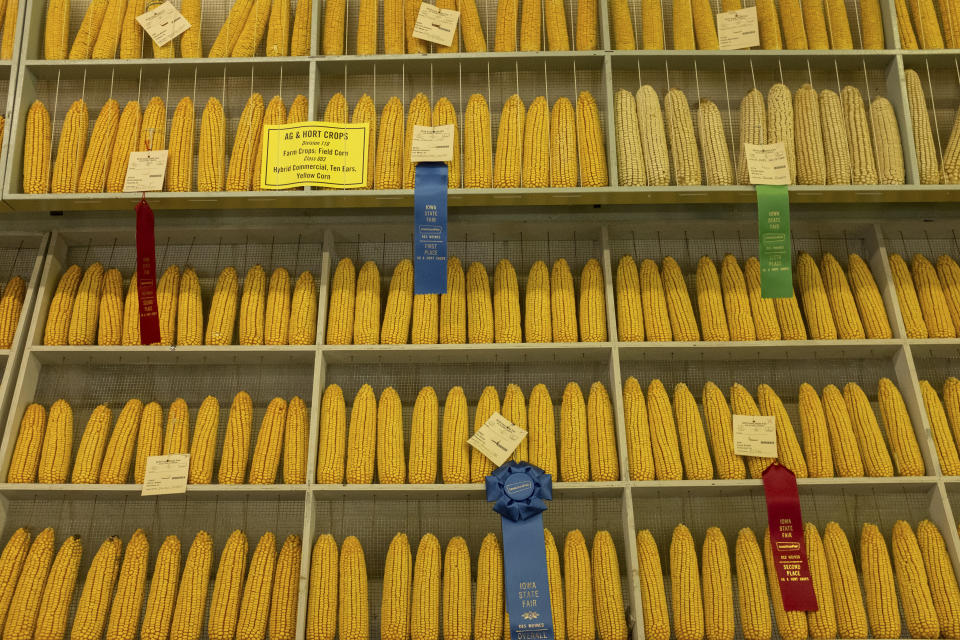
[[430, 228], [147, 275], [519, 491], [786, 539]]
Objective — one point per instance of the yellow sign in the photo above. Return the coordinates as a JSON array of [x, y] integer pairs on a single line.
[[314, 154]]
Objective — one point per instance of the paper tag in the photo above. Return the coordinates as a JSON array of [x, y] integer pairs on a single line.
[[432, 144], [773, 222], [163, 23], [755, 436], [497, 439], [145, 171], [738, 29], [315, 154], [767, 163], [436, 25], [166, 474], [787, 544]]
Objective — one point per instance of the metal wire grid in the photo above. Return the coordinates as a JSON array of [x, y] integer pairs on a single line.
[[58, 89], [375, 522], [495, 80], [86, 386], [17, 258], [732, 511], [932, 242], [208, 259], [521, 253], [726, 81], [487, 10], [936, 367], [785, 380], [666, 9], [212, 18], [940, 80]]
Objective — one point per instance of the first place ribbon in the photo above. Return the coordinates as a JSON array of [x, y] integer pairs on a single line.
[[518, 491], [430, 228]]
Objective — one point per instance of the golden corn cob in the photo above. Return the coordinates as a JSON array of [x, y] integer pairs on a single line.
[[630, 168], [769, 24], [149, 440], [223, 309], [815, 302], [899, 430], [508, 159], [120, 448], [536, 324], [869, 302], [822, 623], [719, 422], [86, 306], [391, 468], [942, 438], [836, 145], [841, 300], [58, 591], [663, 433], [930, 295], [70, 149], [322, 598], [423, 438], [189, 310], [942, 581], [340, 309], [286, 584], [753, 121], [762, 309], [655, 317], [179, 175], [131, 33], [93, 443], [227, 588], [487, 405], [639, 449], [907, 297], [687, 602], [683, 324], [26, 451], [36, 150], [578, 591], [236, 441], [604, 465], [876, 459], [418, 114], [815, 25], [163, 588], [246, 142], [693, 441], [110, 314], [788, 449], [455, 452], [710, 302], [629, 303], [591, 153], [396, 316], [266, 451], [752, 597], [564, 171], [811, 163], [851, 615], [126, 141], [124, 619], [444, 114], [816, 439], [562, 303], [187, 621], [252, 300], [791, 625], [843, 441], [57, 445], [863, 168], [542, 449], [456, 590], [477, 160], [683, 142], [210, 154], [93, 175], [656, 622], [479, 305], [204, 443], [389, 159], [886, 141], [255, 605], [574, 458], [918, 607], [735, 300], [361, 438]]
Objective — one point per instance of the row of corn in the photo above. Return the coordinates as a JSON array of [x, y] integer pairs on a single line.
[[929, 296], [805, 25], [467, 313], [934, 168], [826, 137], [102, 166], [943, 414], [110, 29], [840, 434], [90, 309], [117, 602], [375, 437], [586, 600], [654, 304], [702, 595], [105, 455], [11, 304]]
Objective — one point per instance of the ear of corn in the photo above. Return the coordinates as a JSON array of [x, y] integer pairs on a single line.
[[769, 24], [604, 464], [254, 607], [791, 625], [907, 297], [815, 302], [593, 315], [487, 405], [629, 303], [753, 599], [716, 155], [167, 297], [227, 587], [470, 28], [693, 441], [762, 309], [423, 438], [507, 170], [391, 468], [191, 602], [11, 304], [322, 595], [286, 584], [163, 589], [899, 430], [663, 433], [93, 175], [578, 590], [841, 300], [717, 586], [843, 441], [120, 448], [788, 449], [836, 145], [886, 141], [753, 124], [333, 436], [93, 443], [930, 295], [149, 439], [630, 167], [927, 161], [58, 591], [683, 324], [542, 449], [656, 622], [367, 27], [455, 451], [204, 443], [735, 300], [418, 114], [70, 149], [687, 602], [246, 142], [86, 306], [564, 171], [811, 164], [639, 448], [36, 150], [683, 143], [124, 617], [816, 440], [822, 623], [389, 160], [361, 438], [949, 274], [536, 324], [274, 114], [252, 300], [456, 590], [876, 459], [26, 451], [479, 305], [236, 442], [57, 445], [918, 607], [781, 124], [453, 306], [720, 429], [863, 168], [942, 438], [655, 317], [210, 156], [815, 25], [710, 302], [562, 303], [574, 459], [266, 451], [942, 581]]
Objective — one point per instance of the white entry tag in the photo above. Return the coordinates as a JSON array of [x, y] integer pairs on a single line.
[[755, 436], [166, 474], [436, 25], [738, 29], [497, 439], [432, 144], [767, 163], [145, 171], [163, 23]]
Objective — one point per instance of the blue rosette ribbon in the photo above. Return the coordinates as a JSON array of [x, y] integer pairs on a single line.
[[518, 491]]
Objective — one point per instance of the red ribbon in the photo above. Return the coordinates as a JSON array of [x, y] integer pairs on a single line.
[[147, 275], [786, 539]]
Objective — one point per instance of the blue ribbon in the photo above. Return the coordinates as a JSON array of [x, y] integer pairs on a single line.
[[518, 491], [430, 228]]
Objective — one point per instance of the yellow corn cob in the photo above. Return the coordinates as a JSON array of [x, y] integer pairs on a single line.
[[794, 36], [58, 591], [246, 143], [189, 310], [366, 28], [753, 118], [578, 592], [655, 317], [604, 465], [863, 168], [11, 562], [788, 449], [149, 440], [608, 598], [822, 623], [735, 299], [693, 441], [444, 114], [176, 437], [479, 305], [653, 139], [277, 314], [340, 310], [266, 452], [274, 114], [753, 599], [353, 613], [663, 433], [455, 451], [487, 405], [683, 141], [426, 319], [506, 304], [227, 587], [334, 20], [951, 164], [942, 438], [204, 443], [791, 625], [907, 296], [11, 304], [283, 603], [303, 311], [781, 124], [128, 132], [507, 170], [593, 317], [683, 36], [120, 449], [56, 30], [110, 314], [163, 588], [886, 141], [57, 445], [789, 318], [762, 309], [391, 468], [683, 324], [656, 623], [21, 615], [36, 150], [210, 155], [742, 403], [851, 615], [574, 458], [900, 433], [843, 441], [537, 325], [542, 449], [562, 303], [629, 303], [816, 439], [951, 402], [531, 23], [456, 590], [250, 324], [556, 588], [815, 25], [70, 149], [236, 441], [254, 27], [876, 459], [477, 170], [395, 604], [630, 167], [393, 27], [815, 302], [717, 587], [124, 619], [418, 114], [933, 303], [255, 605], [918, 607], [942, 581], [295, 442], [153, 126], [710, 302], [86, 305], [927, 163], [322, 598], [488, 607], [687, 603], [396, 316], [841, 300], [928, 35], [93, 175], [564, 171], [949, 274], [191, 600], [591, 154], [720, 428], [811, 163], [93, 442], [514, 409], [26, 451], [167, 298], [505, 38], [223, 309], [333, 436], [131, 33], [179, 176], [361, 439], [389, 160], [278, 29], [423, 438], [453, 306]]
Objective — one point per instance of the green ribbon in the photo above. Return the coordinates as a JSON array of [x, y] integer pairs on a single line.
[[773, 216]]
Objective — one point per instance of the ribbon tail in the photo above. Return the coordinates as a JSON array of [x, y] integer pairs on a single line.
[[526, 582]]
